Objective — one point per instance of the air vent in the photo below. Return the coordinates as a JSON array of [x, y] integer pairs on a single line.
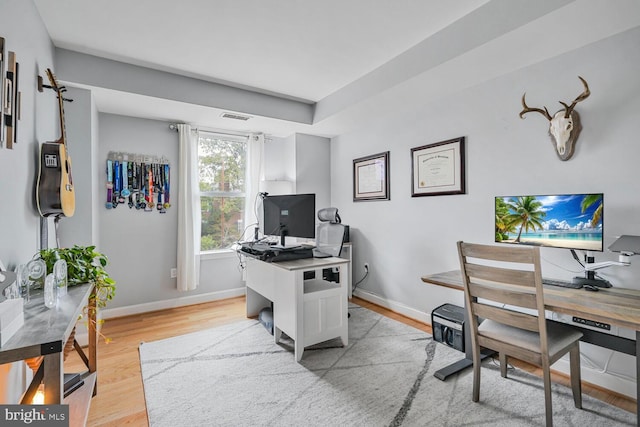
[[235, 116]]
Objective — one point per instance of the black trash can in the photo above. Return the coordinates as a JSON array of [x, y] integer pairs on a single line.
[[447, 322]]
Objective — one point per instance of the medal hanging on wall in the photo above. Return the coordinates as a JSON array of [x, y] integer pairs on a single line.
[[149, 206], [124, 193], [116, 183], [130, 183], [109, 203], [167, 203]]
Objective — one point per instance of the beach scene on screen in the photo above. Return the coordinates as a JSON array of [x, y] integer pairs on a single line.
[[572, 221]]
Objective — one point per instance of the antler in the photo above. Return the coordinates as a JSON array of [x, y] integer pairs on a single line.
[[526, 109], [584, 95]]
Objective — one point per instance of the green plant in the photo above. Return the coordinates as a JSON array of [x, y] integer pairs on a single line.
[[84, 265]]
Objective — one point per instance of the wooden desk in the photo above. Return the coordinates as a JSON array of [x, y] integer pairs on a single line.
[[616, 306], [309, 311], [44, 333]]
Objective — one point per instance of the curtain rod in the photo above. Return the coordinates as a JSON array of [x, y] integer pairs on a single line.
[[174, 126]]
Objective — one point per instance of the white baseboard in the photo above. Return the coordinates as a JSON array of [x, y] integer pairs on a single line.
[[397, 307], [110, 313], [602, 379]]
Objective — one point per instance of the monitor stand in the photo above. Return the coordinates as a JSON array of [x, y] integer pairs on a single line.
[[282, 246], [587, 281], [590, 279]]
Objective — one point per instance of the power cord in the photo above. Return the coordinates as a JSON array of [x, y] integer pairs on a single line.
[[366, 273]]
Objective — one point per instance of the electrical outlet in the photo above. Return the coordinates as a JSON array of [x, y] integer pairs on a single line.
[[366, 267], [174, 273]]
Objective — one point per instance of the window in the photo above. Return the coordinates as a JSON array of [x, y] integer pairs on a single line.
[[222, 164]]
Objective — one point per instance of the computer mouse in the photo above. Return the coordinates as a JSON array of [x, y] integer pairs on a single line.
[[590, 288]]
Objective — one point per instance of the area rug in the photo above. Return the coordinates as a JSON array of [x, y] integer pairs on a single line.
[[235, 375]]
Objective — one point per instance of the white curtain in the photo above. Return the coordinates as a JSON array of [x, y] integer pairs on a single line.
[[255, 174], [188, 210]]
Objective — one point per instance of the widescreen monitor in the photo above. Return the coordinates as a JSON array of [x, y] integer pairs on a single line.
[[290, 215], [570, 221]]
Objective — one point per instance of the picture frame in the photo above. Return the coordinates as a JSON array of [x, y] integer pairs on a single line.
[[438, 169], [2, 90], [371, 178], [9, 101]]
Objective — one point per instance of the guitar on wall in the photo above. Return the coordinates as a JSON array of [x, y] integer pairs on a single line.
[[55, 194]]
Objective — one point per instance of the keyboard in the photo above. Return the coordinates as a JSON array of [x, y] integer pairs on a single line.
[[271, 253], [561, 283], [290, 255]]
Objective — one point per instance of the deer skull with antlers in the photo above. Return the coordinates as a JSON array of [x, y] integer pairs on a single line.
[[564, 126]]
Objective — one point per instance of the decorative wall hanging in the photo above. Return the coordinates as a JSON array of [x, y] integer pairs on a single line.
[[371, 177], [10, 103], [10, 98], [564, 126], [2, 90], [139, 180], [438, 169]]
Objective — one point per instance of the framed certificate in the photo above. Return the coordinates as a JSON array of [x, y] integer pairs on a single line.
[[438, 169], [371, 177]]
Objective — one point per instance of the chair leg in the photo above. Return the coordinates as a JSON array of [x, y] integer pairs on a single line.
[[546, 375], [503, 365], [576, 383], [477, 362]]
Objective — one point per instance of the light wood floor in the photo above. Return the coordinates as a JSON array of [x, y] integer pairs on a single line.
[[120, 398]]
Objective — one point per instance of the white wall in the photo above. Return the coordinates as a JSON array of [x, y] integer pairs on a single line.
[[24, 34], [406, 238], [313, 168], [141, 246], [279, 159], [80, 124]]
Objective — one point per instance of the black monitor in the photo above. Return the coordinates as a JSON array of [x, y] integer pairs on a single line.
[[290, 215], [571, 221]]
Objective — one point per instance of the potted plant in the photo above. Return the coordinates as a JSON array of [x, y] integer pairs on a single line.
[[84, 265]]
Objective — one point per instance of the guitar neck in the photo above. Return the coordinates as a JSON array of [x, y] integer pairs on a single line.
[[63, 131]]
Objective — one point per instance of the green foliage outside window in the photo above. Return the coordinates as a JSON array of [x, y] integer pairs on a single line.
[[222, 169]]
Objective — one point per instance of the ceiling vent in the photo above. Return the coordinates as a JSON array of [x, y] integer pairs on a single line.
[[235, 116]]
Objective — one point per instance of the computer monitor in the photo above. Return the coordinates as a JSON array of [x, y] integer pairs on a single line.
[[570, 221], [289, 215]]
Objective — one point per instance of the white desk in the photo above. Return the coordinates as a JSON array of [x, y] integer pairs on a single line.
[[309, 311], [616, 306]]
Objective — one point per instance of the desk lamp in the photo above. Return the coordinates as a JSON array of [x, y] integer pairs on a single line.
[[626, 246]]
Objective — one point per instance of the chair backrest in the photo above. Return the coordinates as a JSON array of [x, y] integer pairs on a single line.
[[499, 279], [329, 238]]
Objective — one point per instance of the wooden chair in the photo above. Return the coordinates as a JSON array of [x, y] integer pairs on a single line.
[[497, 279]]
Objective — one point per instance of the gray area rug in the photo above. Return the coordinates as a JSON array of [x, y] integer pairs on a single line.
[[235, 375]]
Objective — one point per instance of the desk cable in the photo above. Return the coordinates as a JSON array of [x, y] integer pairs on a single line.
[[366, 273], [575, 256]]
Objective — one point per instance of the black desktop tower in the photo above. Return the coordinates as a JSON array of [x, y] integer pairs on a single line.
[[447, 322]]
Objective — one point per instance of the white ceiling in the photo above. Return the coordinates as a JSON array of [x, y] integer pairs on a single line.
[[316, 51]]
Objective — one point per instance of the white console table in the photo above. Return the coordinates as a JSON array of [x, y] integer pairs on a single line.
[[309, 311], [44, 333]]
